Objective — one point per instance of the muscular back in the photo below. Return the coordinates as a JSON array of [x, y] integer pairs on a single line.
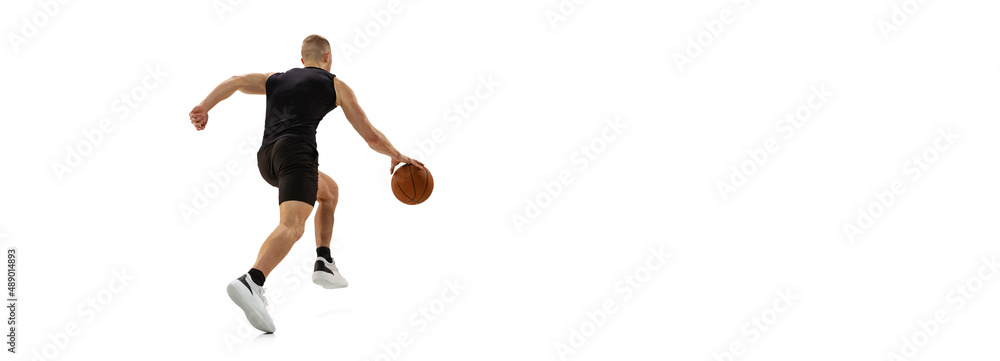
[[297, 100]]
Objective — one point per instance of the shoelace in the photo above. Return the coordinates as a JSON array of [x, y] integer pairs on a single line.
[[262, 291]]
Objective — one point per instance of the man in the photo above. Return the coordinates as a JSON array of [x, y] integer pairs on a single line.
[[296, 102]]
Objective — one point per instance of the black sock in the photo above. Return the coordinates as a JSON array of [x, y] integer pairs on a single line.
[[257, 276], [325, 253]]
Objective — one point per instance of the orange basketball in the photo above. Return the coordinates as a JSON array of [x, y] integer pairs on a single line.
[[412, 185]]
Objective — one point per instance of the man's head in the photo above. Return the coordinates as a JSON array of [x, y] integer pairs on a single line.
[[316, 52]]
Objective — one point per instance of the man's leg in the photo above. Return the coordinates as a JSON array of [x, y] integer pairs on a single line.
[[290, 229], [292, 167], [326, 199], [325, 272], [247, 291]]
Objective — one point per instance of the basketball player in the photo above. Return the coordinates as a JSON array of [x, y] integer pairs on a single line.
[[296, 102]]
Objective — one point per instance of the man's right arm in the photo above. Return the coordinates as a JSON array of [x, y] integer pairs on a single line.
[[375, 139], [253, 83]]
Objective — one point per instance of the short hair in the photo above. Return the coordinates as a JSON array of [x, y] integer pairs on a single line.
[[314, 46]]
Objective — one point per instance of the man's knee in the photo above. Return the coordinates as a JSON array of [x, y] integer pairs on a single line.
[[329, 192], [297, 229], [327, 196], [294, 215]]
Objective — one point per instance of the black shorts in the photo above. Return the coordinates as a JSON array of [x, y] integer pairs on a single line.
[[291, 165]]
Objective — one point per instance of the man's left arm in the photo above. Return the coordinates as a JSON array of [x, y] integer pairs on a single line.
[[253, 83]]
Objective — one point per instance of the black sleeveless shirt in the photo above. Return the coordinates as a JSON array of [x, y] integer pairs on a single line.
[[296, 101]]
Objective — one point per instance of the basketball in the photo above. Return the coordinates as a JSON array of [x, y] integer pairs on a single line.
[[412, 185]]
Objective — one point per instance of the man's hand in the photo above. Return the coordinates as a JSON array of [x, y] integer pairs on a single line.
[[199, 116], [404, 159]]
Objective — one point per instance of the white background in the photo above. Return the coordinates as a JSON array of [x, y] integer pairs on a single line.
[[526, 289]]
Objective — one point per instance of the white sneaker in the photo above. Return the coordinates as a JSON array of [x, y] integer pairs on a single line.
[[326, 274], [250, 297]]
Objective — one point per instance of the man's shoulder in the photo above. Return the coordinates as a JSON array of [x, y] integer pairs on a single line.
[[274, 73]]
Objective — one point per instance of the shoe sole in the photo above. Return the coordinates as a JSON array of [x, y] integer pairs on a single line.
[[318, 278], [255, 318]]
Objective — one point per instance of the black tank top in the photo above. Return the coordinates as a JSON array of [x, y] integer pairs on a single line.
[[296, 101]]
